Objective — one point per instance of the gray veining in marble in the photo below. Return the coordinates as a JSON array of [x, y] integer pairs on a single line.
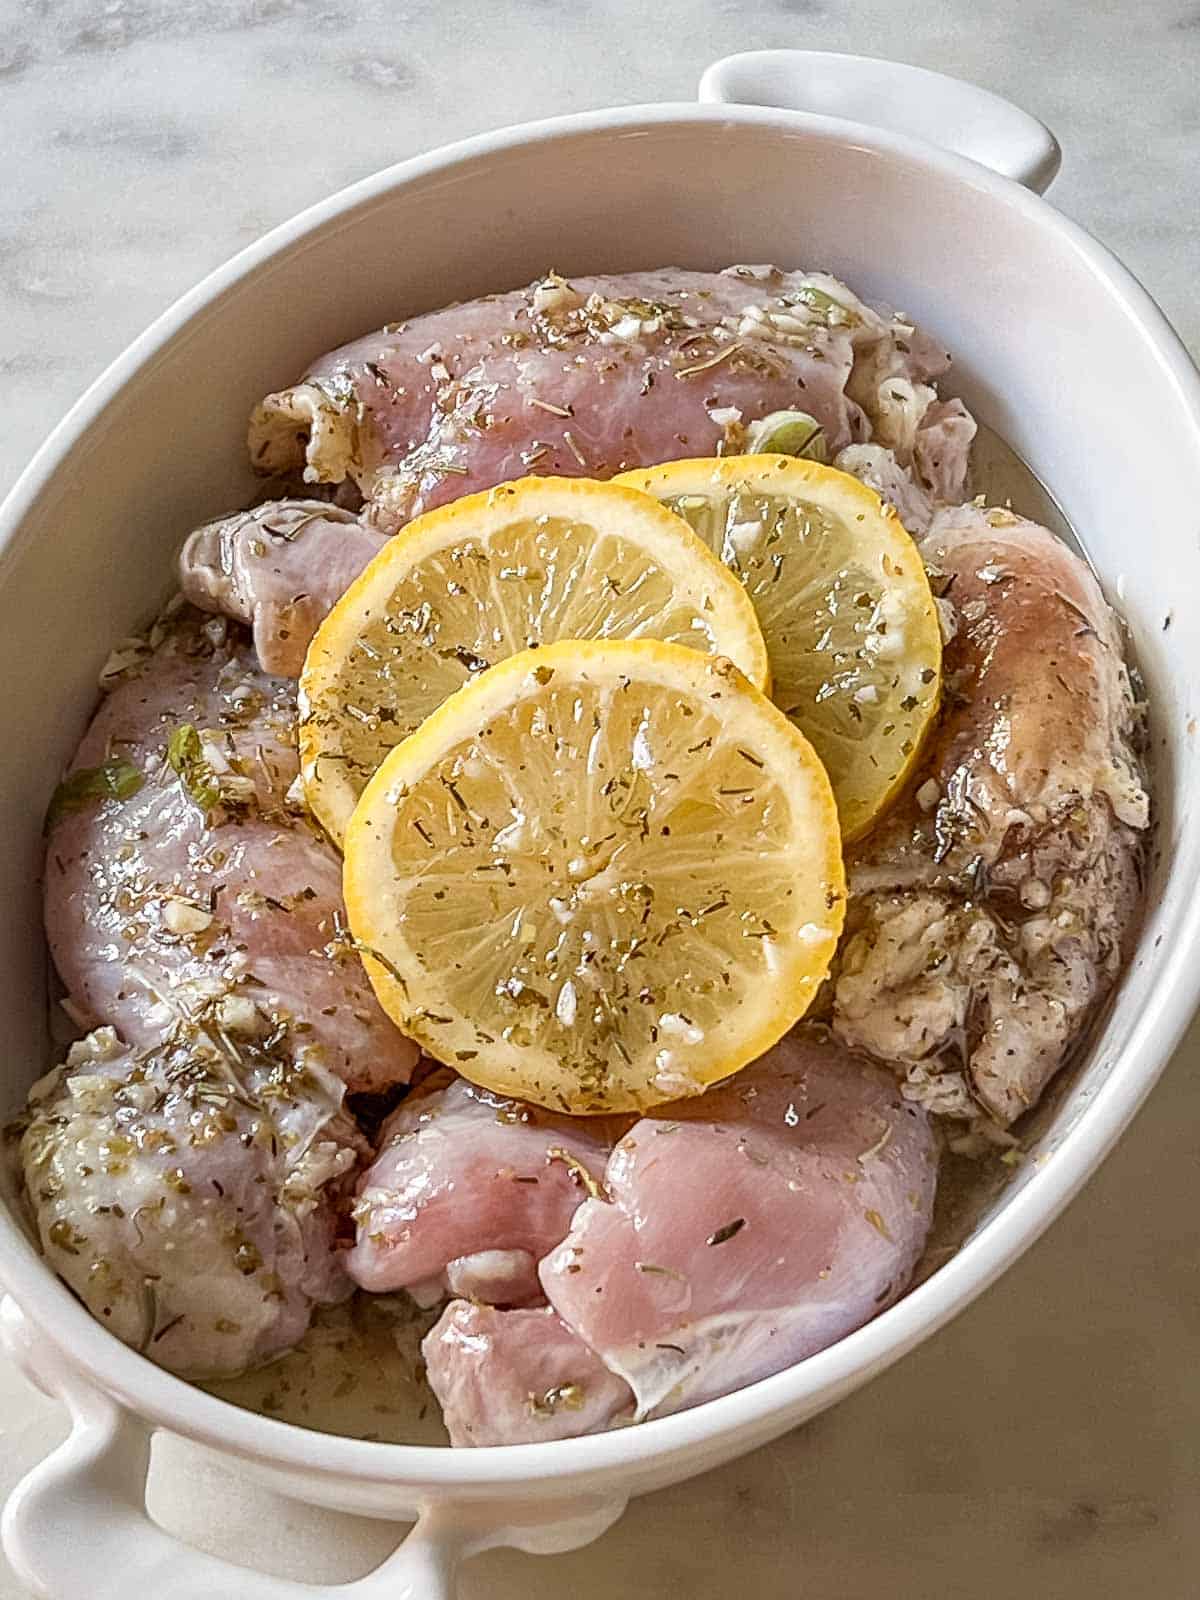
[[1048, 1443]]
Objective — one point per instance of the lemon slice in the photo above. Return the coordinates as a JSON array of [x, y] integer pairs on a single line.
[[601, 876], [845, 606], [466, 586]]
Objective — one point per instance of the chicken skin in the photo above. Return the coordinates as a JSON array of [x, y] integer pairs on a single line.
[[189, 1193], [189, 1165], [732, 1235], [991, 910], [598, 375], [280, 568], [518, 1377], [469, 1191], [199, 890]]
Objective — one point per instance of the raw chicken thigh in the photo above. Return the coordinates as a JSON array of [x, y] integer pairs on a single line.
[[735, 1234], [281, 568], [197, 893], [750, 1228], [518, 1377], [187, 1194], [469, 1191], [187, 1166], [601, 374], [989, 912], [594, 376], [878, 468]]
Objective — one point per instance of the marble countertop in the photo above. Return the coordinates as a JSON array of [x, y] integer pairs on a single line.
[[1048, 1442]]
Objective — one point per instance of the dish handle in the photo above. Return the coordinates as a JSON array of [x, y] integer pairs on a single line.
[[926, 105], [77, 1524]]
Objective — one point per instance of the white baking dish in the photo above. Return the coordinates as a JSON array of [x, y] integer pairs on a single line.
[[1056, 347]]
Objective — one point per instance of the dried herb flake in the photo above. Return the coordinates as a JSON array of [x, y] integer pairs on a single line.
[[727, 1232]]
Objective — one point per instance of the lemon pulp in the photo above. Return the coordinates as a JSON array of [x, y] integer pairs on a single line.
[[483, 578], [845, 606], [602, 876]]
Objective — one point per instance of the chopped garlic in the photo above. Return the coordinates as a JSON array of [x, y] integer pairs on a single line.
[[183, 918], [672, 1025], [886, 637], [565, 1009], [725, 416], [555, 294], [100, 1045], [91, 1091], [744, 535], [238, 1014], [513, 837], [141, 1095], [1035, 895], [628, 327], [320, 1164], [212, 753]]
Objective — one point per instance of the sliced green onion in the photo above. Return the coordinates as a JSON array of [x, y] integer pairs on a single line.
[[185, 753], [114, 779], [833, 311], [787, 433]]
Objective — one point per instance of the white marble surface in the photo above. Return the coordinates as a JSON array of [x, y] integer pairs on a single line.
[[1049, 1442]]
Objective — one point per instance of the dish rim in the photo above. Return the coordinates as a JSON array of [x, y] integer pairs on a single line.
[[773, 1404]]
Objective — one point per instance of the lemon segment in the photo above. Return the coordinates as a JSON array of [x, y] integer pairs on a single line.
[[845, 606], [487, 576], [602, 876]]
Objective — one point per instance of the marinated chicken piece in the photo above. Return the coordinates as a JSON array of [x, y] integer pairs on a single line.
[[991, 910], [940, 453], [188, 1193], [748, 1229], [181, 887], [877, 467], [928, 470], [280, 568], [469, 1191], [518, 1377], [601, 374]]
